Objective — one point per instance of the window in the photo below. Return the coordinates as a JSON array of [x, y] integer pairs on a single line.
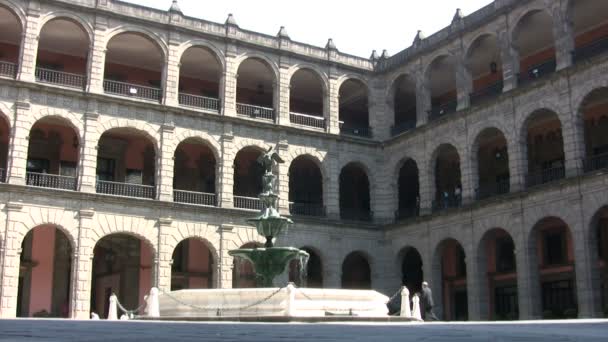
[[134, 176], [105, 169], [38, 165], [67, 168], [554, 248]]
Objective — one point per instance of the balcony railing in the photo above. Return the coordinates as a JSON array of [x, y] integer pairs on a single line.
[[407, 213], [355, 130], [191, 197], [307, 209], [403, 126], [545, 176], [537, 71], [450, 202], [494, 189], [8, 69], [250, 203], [445, 108], [356, 215], [590, 50], [595, 163], [494, 89], [307, 120], [132, 90], [255, 112], [2, 175], [196, 101], [46, 180], [126, 189], [61, 78]]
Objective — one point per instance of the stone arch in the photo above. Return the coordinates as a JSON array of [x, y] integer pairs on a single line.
[[74, 120], [436, 276], [214, 50], [536, 6], [447, 142], [392, 82], [16, 10], [317, 156], [215, 256], [265, 60], [586, 90], [6, 113], [199, 136], [62, 220], [471, 43], [428, 66], [148, 34], [314, 69], [365, 81], [242, 143], [399, 265], [71, 16], [146, 128], [133, 232], [366, 256]]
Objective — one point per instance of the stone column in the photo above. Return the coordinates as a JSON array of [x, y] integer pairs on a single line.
[[97, 57], [283, 179], [163, 255], [29, 44], [332, 185], [464, 81], [518, 162], [423, 99], [88, 150], [379, 124], [467, 173], [473, 285], [230, 82], [9, 280], [17, 154], [426, 185], [528, 283], [332, 265], [380, 193], [333, 118], [589, 305], [83, 266], [172, 69], [563, 34], [283, 93], [573, 133], [226, 167], [165, 163], [225, 263]]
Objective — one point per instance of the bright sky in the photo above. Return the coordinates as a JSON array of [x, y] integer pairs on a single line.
[[357, 27]]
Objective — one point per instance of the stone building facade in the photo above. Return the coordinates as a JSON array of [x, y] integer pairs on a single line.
[[474, 159]]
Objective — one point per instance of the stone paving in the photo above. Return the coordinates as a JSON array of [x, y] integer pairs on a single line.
[[66, 330]]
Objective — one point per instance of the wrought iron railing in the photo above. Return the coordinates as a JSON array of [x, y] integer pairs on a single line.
[[307, 120], [307, 209], [2, 175], [538, 71], [192, 197], [356, 215], [590, 50], [355, 130], [126, 189], [450, 202], [207, 103], [46, 180], [132, 90], [403, 126], [545, 176], [407, 213], [256, 112], [61, 78], [594, 163], [250, 203], [491, 90], [442, 109], [497, 188], [8, 69]]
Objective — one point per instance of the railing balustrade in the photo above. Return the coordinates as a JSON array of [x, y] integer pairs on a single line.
[[197, 101], [356, 215], [307, 209], [126, 189], [497, 188], [493, 89], [255, 112], [307, 120], [192, 197], [132, 90], [596, 162], [2, 175], [590, 50], [545, 176], [8, 69], [61, 78], [450, 202], [538, 71], [250, 203], [407, 213], [403, 126], [355, 130], [46, 180], [445, 108]]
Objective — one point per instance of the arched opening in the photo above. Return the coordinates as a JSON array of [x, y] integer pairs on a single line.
[[498, 276], [442, 83], [63, 50], [448, 187], [409, 190], [194, 173], [533, 40], [199, 79], [594, 112], [492, 163], [122, 265], [11, 29], [306, 94], [45, 269], [313, 278], [412, 274], [404, 104], [126, 163], [545, 148], [191, 266], [134, 67], [589, 20], [598, 246], [52, 155], [453, 269], [305, 187], [485, 67], [243, 272], [255, 89], [354, 109], [247, 179], [552, 269], [356, 272], [354, 193], [5, 133]]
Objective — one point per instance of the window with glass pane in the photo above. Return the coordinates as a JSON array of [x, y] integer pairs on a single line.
[[105, 169]]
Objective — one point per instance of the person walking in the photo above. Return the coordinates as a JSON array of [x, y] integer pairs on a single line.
[[427, 302]]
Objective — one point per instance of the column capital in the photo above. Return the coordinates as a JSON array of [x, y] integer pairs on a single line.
[[86, 213]]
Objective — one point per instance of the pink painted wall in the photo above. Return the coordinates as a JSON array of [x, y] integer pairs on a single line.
[[71, 64], [68, 151], [10, 53], [43, 253], [134, 155], [145, 271], [133, 75], [110, 281], [198, 261]]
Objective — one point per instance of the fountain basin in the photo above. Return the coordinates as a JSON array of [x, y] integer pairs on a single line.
[[269, 262]]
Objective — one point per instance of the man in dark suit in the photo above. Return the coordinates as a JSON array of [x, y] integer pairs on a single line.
[[427, 303]]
